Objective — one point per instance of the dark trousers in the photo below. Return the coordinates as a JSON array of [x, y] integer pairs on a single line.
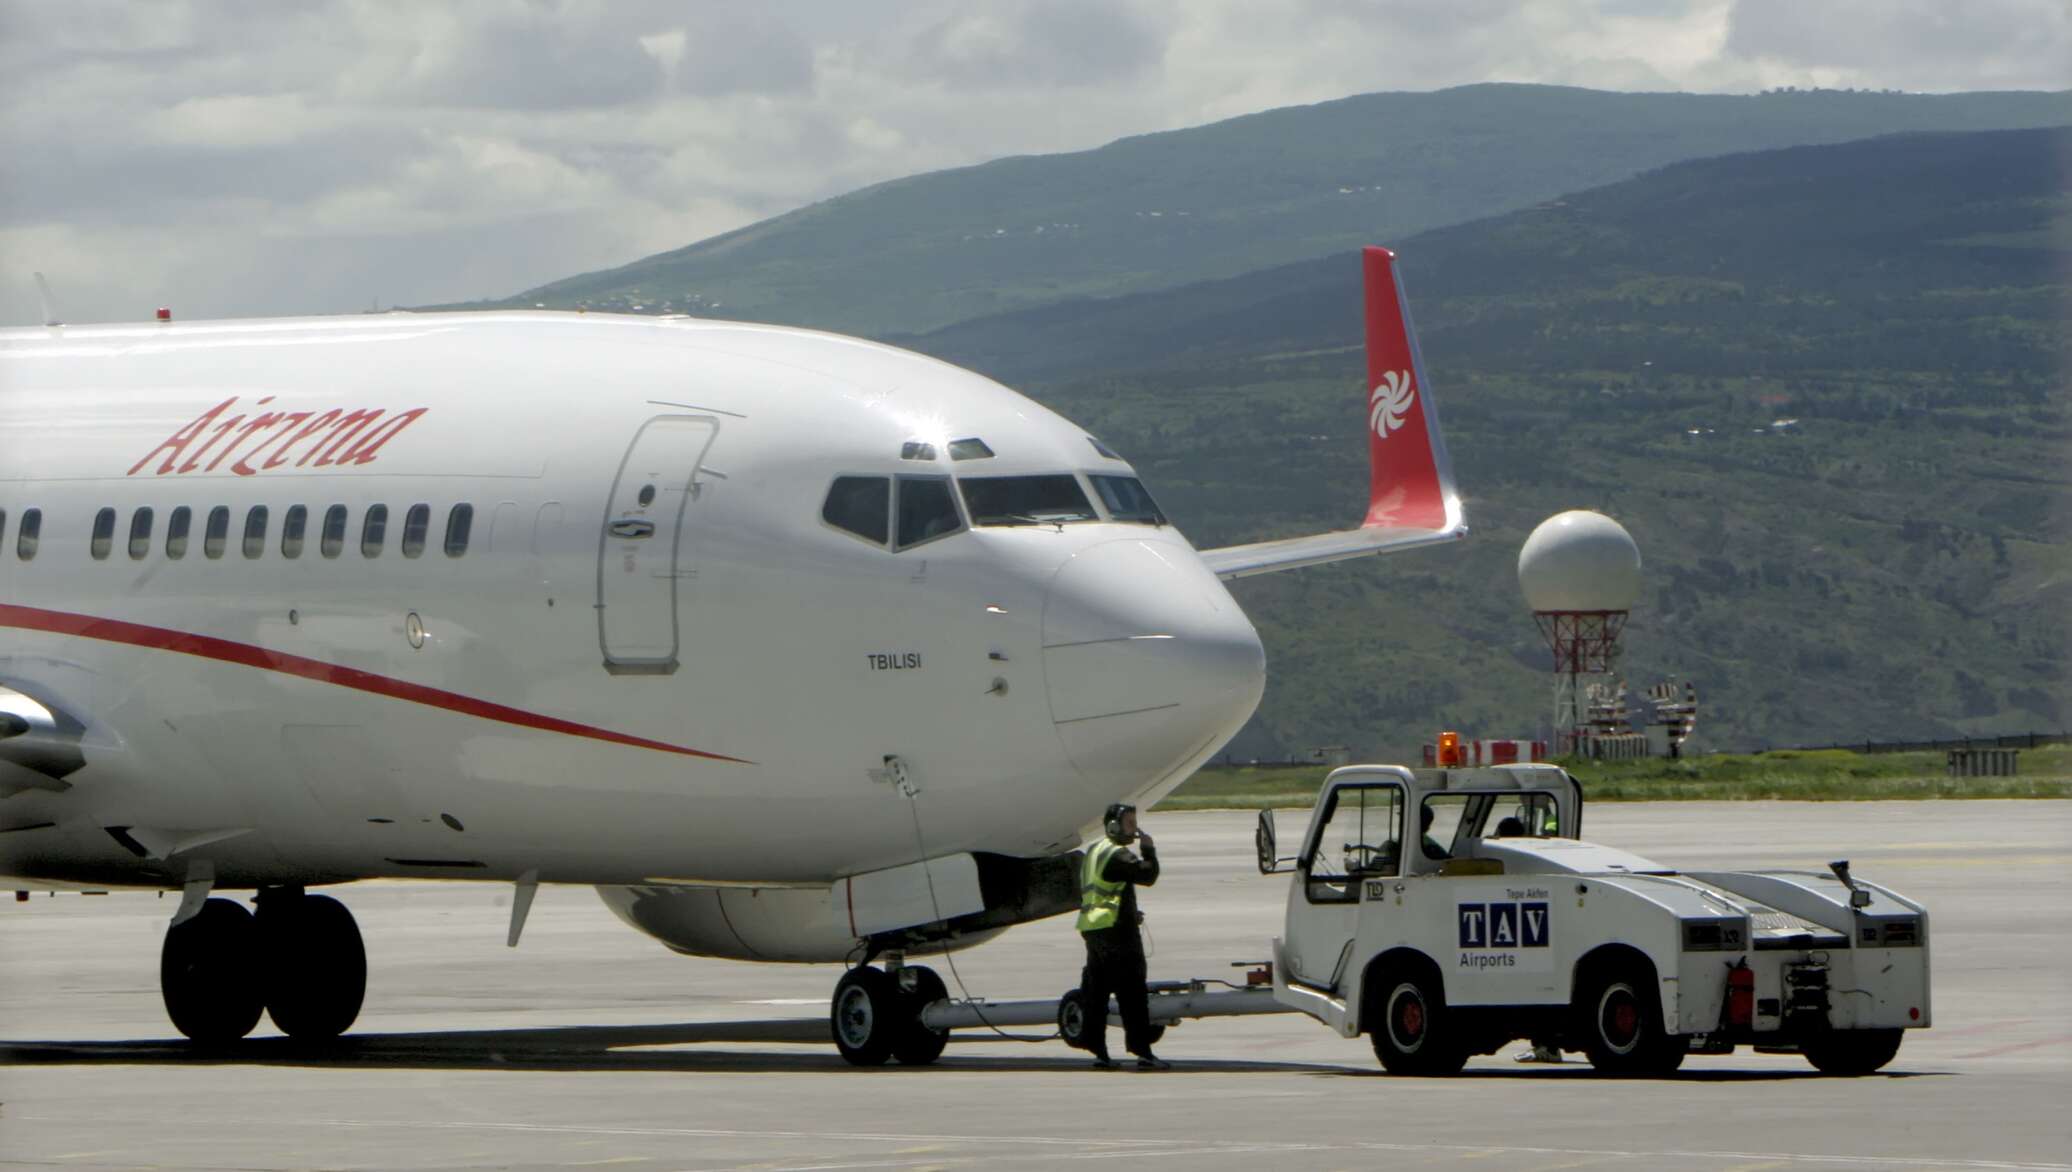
[[1115, 964]]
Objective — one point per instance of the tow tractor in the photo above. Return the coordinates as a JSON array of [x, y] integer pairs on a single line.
[[1445, 913]]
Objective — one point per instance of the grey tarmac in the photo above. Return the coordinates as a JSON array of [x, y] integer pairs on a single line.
[[591, 1046]]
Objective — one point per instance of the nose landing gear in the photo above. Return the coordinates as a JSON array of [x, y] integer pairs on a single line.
[[876, 1015], [300, 960]]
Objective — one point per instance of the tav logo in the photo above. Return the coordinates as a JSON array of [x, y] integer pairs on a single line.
[[1390, 401]]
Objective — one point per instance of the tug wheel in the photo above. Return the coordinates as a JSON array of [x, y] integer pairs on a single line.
[[1621, 1022], [1852, 1052], [1411, 1030]]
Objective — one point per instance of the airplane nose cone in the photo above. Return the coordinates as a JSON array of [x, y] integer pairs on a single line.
[[1150, 663]]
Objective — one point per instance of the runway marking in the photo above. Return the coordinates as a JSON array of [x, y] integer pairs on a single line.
[[1681, 1155], [1996, 1051], [1169, 1149]]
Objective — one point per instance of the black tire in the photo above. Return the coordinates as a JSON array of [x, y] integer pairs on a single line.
[[1410, 1027], [1072, 1019], [1852, 1052], [865, 1015], [1072, 1022], [208, 973], [916, 1044], [315, 965], [1619, 1021]]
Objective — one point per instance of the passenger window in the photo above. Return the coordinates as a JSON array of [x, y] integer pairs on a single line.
[[459, 520], [104, 533], [176, 525], [293, 522], [860, 505], [373, 531], [1360, 839], [217, 533], [333, 539], [140, 534], [926, 510], [29, 535], [3, 528], [1025, 500], [255, 531], [415, 523], [1127, 500]]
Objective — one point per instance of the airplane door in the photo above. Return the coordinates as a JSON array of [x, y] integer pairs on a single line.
[[641, 554]]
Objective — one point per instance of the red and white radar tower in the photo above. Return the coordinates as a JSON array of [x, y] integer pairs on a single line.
[[1580, 572]]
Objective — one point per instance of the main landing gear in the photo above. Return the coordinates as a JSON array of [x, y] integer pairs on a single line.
[[300, 960], [876, 1015]]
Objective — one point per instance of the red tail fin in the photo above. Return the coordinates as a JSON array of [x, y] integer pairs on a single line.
[[1410, 483]]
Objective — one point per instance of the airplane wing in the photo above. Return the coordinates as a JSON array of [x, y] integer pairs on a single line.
[[1410, 498]]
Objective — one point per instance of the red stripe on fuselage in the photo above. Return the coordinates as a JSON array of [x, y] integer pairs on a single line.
[[227, 651]]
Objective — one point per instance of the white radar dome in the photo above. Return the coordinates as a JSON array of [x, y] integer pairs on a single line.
[[1579, 560]]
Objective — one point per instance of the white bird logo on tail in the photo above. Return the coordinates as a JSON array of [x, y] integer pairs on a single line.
[[1390, 401]]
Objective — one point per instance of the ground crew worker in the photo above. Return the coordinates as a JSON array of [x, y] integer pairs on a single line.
[[1114, 950]]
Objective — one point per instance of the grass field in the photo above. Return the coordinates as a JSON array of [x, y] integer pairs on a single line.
[[1824, 775]]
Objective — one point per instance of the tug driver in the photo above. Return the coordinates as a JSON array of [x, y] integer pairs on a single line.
[[1108, 920]]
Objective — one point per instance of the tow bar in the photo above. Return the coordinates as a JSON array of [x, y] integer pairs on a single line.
[[1170, 1001]]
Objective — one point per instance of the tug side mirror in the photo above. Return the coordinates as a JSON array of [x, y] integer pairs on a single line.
[[1265, 840]]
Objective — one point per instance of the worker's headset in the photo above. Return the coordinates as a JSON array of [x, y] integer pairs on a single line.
[[1112, 820]]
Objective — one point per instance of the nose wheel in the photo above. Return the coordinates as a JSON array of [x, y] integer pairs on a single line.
[[875, 1016]]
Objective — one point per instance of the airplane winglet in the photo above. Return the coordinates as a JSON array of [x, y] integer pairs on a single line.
[[1411, 500]]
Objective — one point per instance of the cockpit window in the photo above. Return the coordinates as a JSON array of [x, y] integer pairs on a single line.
[[926, 509], [973, 448], [1127, 500], [1102, 449], [861, 505], [1025, 500]]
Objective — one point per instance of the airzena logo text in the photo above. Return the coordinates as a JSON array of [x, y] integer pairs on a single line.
[[265, 440]]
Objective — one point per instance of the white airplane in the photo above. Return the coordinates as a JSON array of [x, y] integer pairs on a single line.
[[797, 647]]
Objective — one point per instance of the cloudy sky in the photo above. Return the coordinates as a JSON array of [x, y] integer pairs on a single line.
[[286, 156]]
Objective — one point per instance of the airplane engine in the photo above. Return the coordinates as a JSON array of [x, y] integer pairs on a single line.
[[980, 896], [39, 743]]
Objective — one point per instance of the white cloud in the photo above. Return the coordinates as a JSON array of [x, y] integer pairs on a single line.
[[240, 157]]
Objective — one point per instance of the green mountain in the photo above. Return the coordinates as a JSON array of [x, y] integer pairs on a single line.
[[1825, 388], [1163, 210]]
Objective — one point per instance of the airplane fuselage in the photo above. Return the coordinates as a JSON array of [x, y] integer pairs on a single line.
[[651, 656]]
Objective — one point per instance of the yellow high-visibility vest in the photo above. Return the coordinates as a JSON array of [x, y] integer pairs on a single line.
[[1100, 901]]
